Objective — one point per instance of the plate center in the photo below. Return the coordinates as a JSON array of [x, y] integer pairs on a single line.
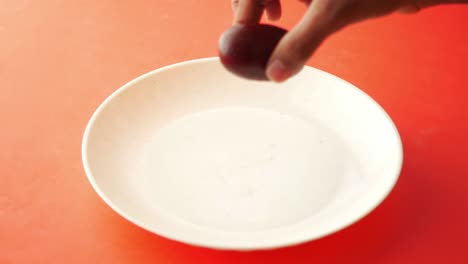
[[240, 169]]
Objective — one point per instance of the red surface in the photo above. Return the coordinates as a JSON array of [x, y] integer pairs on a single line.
[[60, 59]]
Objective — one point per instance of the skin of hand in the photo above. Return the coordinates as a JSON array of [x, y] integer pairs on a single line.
[[322, 18]]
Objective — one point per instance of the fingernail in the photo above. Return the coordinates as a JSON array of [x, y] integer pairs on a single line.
[[278, 72]]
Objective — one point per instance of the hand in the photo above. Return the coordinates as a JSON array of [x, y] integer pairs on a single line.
[[322, 18]]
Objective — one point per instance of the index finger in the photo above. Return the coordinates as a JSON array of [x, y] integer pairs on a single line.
[[248, 11]]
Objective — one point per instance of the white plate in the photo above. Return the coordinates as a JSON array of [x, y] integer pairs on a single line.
[[195, 154]]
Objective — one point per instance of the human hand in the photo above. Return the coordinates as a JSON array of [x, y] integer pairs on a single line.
[[322, 18]]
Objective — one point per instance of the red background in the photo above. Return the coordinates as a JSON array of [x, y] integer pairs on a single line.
[[60, 59]]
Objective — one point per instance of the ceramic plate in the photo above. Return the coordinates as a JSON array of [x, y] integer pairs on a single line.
[[195, 154]]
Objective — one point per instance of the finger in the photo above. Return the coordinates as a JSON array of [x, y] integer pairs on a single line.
[[273, 9], [248, 11], [297, 46], [234, 5]]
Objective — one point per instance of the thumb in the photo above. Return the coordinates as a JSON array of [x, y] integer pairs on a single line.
[[296, 47]]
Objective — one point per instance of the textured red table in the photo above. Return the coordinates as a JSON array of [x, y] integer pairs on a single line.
[[60, 59]]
